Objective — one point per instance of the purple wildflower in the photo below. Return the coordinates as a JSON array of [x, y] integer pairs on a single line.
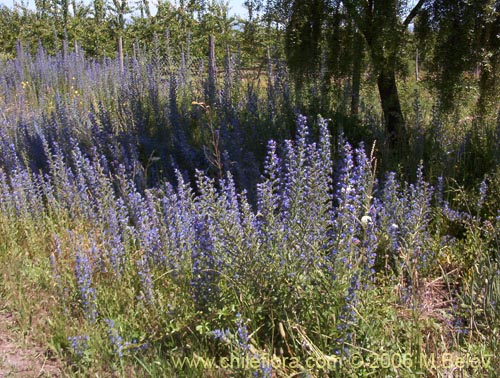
[[114, 338], [78, 344], [83, 273], [145, 278]]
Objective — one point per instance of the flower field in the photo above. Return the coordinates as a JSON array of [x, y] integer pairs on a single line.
[[146, 231]]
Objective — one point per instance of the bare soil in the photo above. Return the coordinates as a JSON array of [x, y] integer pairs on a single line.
[[23, 358]]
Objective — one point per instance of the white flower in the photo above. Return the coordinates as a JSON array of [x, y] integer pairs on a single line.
[[366, 219]]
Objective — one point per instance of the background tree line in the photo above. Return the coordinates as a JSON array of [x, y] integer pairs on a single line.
[[98, 27], [336, 51]]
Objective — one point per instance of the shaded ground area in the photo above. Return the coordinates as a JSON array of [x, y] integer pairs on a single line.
[[22, 359]]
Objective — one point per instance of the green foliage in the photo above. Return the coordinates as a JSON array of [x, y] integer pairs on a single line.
[[303, 37], [274, 290], [460, 44]]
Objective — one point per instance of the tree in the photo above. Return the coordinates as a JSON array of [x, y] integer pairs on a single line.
[[467, 40], [381, 27], [215, 20], [454, 39], [10, 27], [120, 9]]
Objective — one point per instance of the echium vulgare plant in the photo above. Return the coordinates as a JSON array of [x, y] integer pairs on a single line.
[[405, 215], [239, 343], [224, 238], [354, 234], [292, 220], [83, 273], [115, 338], [294, 201], [205, 271], [305, 197], [316, 239], [207, 256], [178, 218], [78, 344], [391, 208], [116, 222], [415, 230]]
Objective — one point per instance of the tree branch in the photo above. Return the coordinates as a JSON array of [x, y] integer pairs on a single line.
[[413, 13]]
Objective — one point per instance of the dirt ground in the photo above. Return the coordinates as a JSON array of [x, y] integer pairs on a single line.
[[21, 358]]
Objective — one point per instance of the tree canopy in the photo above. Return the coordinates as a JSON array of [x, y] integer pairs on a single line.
[[455, 38]]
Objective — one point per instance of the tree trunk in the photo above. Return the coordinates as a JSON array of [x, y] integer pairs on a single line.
[[391, 107]]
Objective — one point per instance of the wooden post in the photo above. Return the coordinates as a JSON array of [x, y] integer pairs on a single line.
[[120, 52]]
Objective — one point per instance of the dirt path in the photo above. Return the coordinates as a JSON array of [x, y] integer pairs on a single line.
[[22, 360]]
